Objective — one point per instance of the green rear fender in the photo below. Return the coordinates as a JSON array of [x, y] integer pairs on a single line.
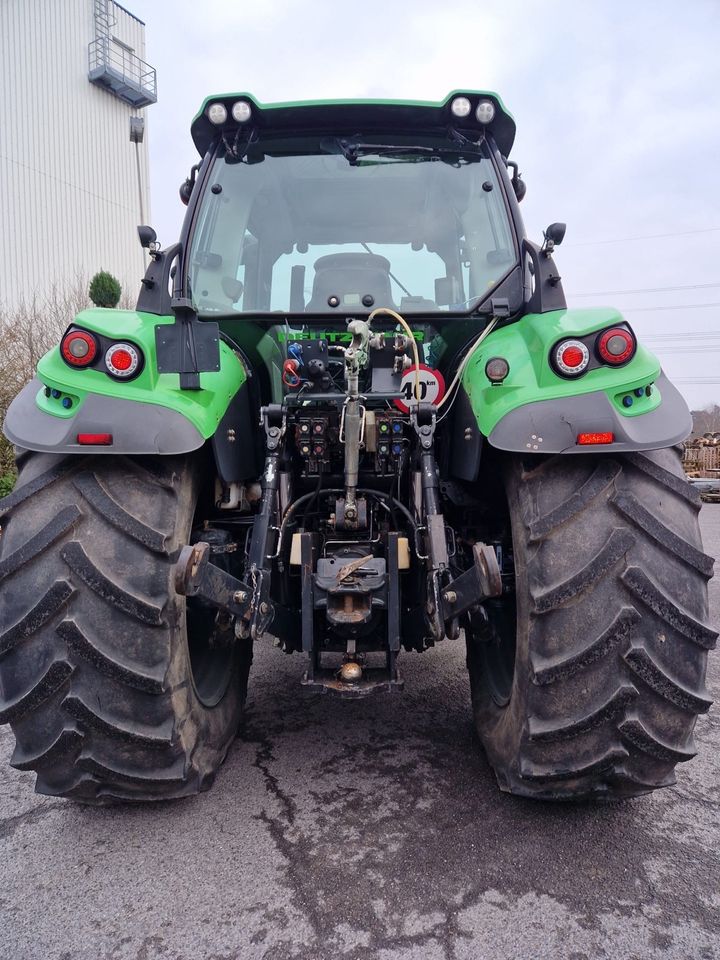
[[148, 414], [536, 410]]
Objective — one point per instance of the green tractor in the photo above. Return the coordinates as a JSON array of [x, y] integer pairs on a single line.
[[351, 412]]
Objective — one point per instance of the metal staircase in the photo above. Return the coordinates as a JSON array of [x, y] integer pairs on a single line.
[[115, 68]]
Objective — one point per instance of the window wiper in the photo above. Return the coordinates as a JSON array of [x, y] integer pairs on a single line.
[[353, 150]]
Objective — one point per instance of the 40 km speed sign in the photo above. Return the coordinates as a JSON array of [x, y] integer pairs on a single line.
[[431, 387]]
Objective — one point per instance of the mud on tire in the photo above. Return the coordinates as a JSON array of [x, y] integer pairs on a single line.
[[612, 634], [106, 696]]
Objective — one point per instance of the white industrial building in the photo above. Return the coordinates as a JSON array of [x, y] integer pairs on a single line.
[[73, 186]]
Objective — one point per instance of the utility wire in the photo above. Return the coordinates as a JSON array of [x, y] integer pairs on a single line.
[[680, 338], [684, 334], [676, 306], [670, 350], [646, 236], [612, 293], [698, 380]]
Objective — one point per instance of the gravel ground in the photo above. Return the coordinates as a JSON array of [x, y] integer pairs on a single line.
[[367, 830]]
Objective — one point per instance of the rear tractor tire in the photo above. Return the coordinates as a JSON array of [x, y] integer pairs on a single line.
[[590, 679], [114, 686]]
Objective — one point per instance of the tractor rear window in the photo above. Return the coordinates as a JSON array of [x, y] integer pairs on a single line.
[[318, 231]]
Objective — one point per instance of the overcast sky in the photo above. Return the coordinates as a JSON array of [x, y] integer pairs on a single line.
[[617, 106]]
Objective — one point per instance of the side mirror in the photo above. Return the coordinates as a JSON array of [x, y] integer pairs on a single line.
[[554, 236], [147, 236], [518, 184], [186, 188]]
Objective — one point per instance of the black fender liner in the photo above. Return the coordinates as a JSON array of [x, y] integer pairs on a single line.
[[135, 427], [552, 426]]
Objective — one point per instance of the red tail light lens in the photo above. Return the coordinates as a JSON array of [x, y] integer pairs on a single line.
[[589, 438], [95, 439], [122, 360], [78, 348], [616, 346], [570, 357]]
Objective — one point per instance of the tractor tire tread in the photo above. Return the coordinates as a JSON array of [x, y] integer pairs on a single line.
[[630, 506], [132, 675], [97, 496], [658, 602], [80, 563], [601, 479], [50, 533], [45, 609], [609, 677], [22, 493], [95, 675]]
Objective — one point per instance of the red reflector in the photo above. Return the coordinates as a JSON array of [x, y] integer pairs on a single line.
[[95, 439], [572, 356], [121, 359], [587, 438]]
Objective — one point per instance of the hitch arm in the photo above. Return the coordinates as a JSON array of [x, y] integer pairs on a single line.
[[195, 576], [423, 420], [477, 584]]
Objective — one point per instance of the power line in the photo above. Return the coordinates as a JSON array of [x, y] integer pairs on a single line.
[[708, 340], [671, 351], [676, 306], [686, 334], [612, 293], [647, 236], [698, 380], [682, 337]]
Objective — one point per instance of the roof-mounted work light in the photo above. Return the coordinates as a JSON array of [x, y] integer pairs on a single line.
[[241, 111], [217, 113]]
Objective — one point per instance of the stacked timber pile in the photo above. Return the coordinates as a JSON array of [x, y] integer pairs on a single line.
[[701, 455]]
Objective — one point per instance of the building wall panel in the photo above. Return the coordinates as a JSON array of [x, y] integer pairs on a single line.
[[68, 181]]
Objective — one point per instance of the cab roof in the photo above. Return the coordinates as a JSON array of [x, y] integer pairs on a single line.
[[356, 116]]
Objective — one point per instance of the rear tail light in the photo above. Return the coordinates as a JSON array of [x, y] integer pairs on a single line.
[[78, 348], [122, 360], [616, 346], [570, 357], [589, 438]]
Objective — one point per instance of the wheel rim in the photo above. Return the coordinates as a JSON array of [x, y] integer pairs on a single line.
[[210, 658], [499, 650], [211, 650]]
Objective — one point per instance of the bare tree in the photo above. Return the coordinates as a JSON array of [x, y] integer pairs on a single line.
[[27, 331], [706, 420]]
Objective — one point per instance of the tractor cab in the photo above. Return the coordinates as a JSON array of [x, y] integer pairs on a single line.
[[320, 210]]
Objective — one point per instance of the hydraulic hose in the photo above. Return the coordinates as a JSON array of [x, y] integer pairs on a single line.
[[416, 357], [404, 324], [466, 359], [365, 491]]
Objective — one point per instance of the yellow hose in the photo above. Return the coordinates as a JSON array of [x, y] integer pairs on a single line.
[[413, 344], [463, 363]]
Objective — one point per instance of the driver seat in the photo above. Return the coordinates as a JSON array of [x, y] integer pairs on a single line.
[[350, 277]]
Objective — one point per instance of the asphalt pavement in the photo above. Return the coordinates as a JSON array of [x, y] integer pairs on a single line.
[[367, 831]]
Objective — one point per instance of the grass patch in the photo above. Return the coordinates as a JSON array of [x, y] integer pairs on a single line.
[[7, 482]]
